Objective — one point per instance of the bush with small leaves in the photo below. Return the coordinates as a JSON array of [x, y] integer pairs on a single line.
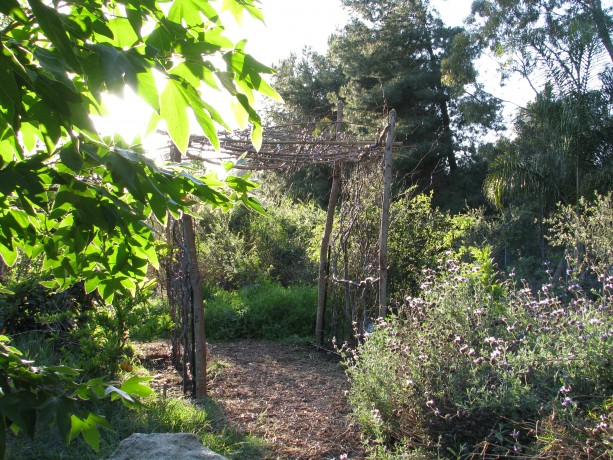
[[478, 366]]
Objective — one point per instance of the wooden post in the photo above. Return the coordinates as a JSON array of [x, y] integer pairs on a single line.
[[197, 299], [199, 373], [325, 240], [385, 215]]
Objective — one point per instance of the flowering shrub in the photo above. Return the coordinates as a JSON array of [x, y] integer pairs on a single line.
[[467, 370]]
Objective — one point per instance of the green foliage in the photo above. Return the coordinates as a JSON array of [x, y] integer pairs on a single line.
[[240, 248], [87, 333], [82, 201], [589, 225], [263, 310], [154, 415], [42, 396], [565, 41], [562, 152], [419, 237], [150, 320], [468, 371]]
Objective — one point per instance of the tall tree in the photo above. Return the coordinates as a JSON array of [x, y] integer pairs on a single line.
[[565, 43], [397, 55]]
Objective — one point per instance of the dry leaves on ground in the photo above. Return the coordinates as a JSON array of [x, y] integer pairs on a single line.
[[291, 396]]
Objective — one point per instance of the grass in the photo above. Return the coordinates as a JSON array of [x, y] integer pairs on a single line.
[[265, 310], [157, 416]]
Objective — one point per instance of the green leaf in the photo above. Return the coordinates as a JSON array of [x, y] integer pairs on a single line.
[[50, 22], [237, 7], [124, 35], [189, 11], [91, 433], [9, 255], [114, 63], [173, 110], [71, 157], [64, 370], [76, 426], [11, 8], [147, 89], [134, 386], [113, 390]]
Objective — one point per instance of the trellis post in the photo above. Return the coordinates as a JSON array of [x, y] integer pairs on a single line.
[[325, 240], [385, 214], [198, 338]]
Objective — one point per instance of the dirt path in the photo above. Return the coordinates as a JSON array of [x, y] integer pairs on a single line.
[[291, 396]]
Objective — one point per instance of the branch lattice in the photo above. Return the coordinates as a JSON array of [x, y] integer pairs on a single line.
[[286, 147]]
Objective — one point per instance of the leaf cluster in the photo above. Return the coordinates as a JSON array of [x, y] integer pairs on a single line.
[[81, 201], [40, 396]]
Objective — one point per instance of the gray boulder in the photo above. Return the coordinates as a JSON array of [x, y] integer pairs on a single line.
[[164, 446]]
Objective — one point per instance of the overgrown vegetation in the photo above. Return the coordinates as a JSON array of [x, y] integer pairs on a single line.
[[483, 365], [264, 310]]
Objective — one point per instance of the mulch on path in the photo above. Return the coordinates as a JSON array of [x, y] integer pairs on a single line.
[[291, 396]]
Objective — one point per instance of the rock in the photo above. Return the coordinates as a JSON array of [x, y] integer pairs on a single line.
[[164, 446]]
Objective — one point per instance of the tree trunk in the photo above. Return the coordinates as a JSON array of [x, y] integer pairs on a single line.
[[323, 254], [385, 217], [198, 338], [325, 240]]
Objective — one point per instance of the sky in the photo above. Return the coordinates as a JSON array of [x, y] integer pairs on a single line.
[[290, 25]]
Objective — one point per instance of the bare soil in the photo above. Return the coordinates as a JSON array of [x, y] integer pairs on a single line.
[[291, 396]]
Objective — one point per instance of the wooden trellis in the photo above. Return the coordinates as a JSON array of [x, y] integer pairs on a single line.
[[290, 147]]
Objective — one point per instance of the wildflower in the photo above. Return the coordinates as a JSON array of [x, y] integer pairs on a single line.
[[495, 354], [471, 352], [564, 389], [343, 457], [515, 434], [491, 340], [566, 401], [463, 348], [594, 321], [457, 339], [478, 312], [479, 360], [600, 427]]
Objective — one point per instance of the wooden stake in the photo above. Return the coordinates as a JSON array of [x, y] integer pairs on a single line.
[[385, 215]]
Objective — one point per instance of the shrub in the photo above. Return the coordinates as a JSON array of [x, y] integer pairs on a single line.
[[85, 332], [478, 367], [241, 248]]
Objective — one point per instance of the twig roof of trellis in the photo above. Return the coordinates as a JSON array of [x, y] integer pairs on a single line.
[[285, 147]]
